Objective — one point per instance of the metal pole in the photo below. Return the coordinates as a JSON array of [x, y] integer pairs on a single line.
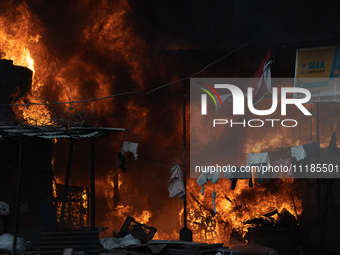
[[67, 179], [318, 180], [17, 206], [184, 149], [93, 192], [185, 233], [317, 123]]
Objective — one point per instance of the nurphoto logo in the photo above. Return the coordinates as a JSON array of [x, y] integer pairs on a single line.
[[238, 104]]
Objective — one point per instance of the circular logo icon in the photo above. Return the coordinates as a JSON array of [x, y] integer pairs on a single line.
[[303, 66]]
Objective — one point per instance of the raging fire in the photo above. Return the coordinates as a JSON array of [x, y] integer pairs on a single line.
[[57, 79], [54, 80], [236, 207]]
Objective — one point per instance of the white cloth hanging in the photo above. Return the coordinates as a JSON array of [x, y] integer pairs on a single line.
[[258, 158], [228, 174], [205, 176], [130, 147], [203, 179], [298, 152], [175, 184]]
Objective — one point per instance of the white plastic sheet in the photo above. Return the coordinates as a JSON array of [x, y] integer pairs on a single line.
[[4, 208], [6, 242], [123, 242]]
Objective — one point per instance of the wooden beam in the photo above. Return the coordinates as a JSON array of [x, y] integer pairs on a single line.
[[115, 190]]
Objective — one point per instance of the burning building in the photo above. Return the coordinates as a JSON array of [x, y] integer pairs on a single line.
[[87, 50]]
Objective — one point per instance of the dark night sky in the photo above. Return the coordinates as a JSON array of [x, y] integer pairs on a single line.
[[202, 23], [231, 23]]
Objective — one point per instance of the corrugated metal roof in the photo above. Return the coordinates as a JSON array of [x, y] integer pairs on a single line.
[[52, 132]]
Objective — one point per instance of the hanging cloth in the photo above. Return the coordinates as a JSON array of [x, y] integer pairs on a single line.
[[130, 147], [259, 160], [205, 176], [203, 179], [312, 148], [298, 152], [282, 164], [175, 184]]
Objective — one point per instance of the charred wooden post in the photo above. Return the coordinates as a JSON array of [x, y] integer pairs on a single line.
[[115, 190], [93, 192], [17, 206], [67, 178]]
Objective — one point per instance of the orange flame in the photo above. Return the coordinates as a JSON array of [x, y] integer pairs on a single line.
[[235, 207]]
